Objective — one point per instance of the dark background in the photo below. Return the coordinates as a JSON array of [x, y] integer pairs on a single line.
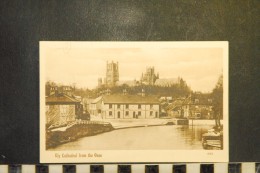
[[24, 23]]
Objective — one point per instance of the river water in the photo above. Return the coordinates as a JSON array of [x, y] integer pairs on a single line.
[[173, 137]]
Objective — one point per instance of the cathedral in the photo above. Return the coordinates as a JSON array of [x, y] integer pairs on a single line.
[[149, 77], [112, 75]]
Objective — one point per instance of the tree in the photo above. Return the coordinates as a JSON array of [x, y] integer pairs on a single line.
[[217, 97]]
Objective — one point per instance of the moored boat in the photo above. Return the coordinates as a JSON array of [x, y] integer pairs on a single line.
[[213, 139]]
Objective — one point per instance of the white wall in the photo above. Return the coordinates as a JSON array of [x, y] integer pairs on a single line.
[[144, 111]]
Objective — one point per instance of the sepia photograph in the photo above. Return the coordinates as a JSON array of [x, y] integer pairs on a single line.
[[108, 101]]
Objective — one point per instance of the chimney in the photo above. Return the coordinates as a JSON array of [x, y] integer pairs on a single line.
[[143, 93], [108, 91], [124, 92], [53, 90], [58, 91]]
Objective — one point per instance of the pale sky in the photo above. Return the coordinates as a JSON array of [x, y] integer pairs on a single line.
[[199, 67]]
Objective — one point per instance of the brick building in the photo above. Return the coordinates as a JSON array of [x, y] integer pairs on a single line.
[[62, 108]]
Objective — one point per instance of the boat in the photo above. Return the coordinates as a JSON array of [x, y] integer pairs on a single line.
[[213, 139]]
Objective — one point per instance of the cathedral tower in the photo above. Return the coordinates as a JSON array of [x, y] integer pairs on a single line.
[[112, 74]]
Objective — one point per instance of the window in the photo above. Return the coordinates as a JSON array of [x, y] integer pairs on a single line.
[[151, 113], [126, 106], [197, 114], [110, 113], [139, 113], [139, 106], [118, 106], [110, 106], [126, 113], [151, 106]]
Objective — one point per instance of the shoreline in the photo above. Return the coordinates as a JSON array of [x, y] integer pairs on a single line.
[[56, 137], [122, 124]]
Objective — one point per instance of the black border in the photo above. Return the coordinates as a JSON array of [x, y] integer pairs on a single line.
[[25, 23]]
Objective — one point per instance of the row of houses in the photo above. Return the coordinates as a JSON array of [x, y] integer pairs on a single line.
[[62, 108], [120, 106]]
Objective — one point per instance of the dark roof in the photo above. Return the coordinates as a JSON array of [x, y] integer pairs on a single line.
[[61, 98], [130, 99]]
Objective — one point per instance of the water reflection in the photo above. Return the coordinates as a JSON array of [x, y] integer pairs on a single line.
[[143, 138], [193, 134]]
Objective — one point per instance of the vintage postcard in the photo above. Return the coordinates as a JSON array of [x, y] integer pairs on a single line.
[[133, 102]]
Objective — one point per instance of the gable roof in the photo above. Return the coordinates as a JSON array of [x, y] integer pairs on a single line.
[[96, 99], [136, 99], [60, 98]]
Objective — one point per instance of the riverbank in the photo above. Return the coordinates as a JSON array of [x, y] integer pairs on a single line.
[[198, 122], [131, 123], [122, 124], [81, 129], [55, 138]]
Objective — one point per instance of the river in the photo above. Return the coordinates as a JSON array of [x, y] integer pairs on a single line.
[[142, 138]]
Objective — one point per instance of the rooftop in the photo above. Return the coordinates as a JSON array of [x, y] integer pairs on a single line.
[[61, 98], [96, 99], [130, 99]]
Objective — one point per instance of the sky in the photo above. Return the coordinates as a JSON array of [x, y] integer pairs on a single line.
[[199, 67]]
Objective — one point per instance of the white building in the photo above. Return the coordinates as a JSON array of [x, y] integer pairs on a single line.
[[126, 107], [95, 106]]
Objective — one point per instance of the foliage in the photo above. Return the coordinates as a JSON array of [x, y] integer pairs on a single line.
[[175, 90], [217, 97]]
